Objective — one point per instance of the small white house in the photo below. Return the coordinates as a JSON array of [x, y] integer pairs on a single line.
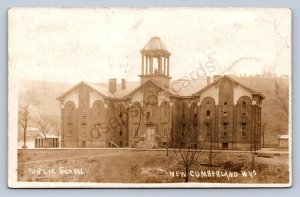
[[50, 141], [35, 139], [283, 141]]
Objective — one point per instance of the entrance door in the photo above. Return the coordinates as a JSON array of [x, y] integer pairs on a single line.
[[150, 134]]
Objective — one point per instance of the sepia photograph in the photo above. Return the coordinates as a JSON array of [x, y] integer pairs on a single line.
[[149, 97]]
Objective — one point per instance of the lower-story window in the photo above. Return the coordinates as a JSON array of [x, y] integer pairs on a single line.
[[243, 129], [225, 145]]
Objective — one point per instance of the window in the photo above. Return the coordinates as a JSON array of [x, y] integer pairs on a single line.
[[70, 129], [208, 108], [136, 132], [98, 111], [244, 109], [165, 130], [225, 145], [225, 129], [182, 129], [208, 129], [225, 109], [83, 129], [208, 113], [83, 144], [70, 114], [165, 110], [244, 128], [195, 111], [121, 132], [83, 110], [148, 116]]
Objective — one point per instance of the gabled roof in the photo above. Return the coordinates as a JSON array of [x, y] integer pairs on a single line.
[[155, 44], [283, 137], [94, 87], [168, 90], [226, 77], [48, 135]]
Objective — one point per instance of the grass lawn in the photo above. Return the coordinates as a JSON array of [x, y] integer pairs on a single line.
[[133, 166]]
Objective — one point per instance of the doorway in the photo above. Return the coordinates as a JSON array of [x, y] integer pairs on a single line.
[[150, 134]]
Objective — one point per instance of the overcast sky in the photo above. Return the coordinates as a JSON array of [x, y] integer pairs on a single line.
[[72, 45]]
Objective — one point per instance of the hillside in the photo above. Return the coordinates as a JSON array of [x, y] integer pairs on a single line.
[[275, 106], [45, 93]]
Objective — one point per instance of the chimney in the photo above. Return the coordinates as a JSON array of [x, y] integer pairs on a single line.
[[207, 80], [123, 84], [216, 77], [112, 86]]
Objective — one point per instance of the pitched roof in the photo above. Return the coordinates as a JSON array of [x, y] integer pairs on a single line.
[[180, 88], [233, 80], [96, 88], [155, 43], [48, 135], [168, 90], [103, 89], [283, 137]]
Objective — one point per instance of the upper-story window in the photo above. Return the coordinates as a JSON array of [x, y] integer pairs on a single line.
[[165, 109], [83, 110], [70, 113], [208, 109], [70, 129], [244, 109], [83, 129], [225, 109], [195, 111]]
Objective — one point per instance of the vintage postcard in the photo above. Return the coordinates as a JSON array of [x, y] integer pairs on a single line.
[[149, 97]]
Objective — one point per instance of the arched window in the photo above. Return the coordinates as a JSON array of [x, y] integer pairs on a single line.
[[70, 129], [208, 129], [83, 109], [70, 114], [208, 109], [225, 129], [243, 129], [69, 111], [195, 110], [244, 109], [184, 110], [225, 109], [165, 110]]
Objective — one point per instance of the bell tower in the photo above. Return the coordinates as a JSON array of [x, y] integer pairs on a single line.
[[155, 62]]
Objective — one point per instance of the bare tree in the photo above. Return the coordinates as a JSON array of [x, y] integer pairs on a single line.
[[25, 110], [186, 151], [44, 124], [283, 95], [264, 127]]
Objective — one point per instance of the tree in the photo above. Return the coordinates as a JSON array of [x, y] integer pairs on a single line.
[[282, 99], [26, 104], [44, 124], [264, 126], [186, 151]]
